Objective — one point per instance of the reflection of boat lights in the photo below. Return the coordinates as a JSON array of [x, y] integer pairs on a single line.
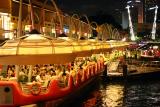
[[113, 94]]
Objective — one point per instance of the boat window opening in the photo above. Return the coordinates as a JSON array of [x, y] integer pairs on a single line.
[[46, 71]]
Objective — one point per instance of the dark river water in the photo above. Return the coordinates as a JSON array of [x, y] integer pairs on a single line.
[[131, 93]]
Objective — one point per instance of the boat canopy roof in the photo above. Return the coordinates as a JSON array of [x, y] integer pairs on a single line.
[[40, 49], [36, 49]]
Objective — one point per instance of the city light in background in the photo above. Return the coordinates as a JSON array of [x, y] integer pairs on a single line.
[[130, 24], [154, 22]]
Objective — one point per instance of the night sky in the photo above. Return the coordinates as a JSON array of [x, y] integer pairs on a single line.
[[90, 7]]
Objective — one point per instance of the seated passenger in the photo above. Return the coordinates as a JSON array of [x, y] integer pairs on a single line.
[[63, 77], [39, 77], [11, 73], [72, 72], [53, 74], [22, 76], [58, 70]]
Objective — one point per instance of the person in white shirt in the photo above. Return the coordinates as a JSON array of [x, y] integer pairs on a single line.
[[39, 77]]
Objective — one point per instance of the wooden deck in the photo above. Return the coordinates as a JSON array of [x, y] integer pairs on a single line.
[[136, 68], [144, 70]]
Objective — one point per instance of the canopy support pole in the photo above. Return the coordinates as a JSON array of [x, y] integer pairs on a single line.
[[17, 72], [30, 73]]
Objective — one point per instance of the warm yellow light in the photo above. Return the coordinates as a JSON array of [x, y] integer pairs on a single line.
[[36, 44], [35, 37], [85, 34], [11, 26], [27, 27], [60, 31], [4, 14], [73, 32], [53, 30], [89, 35], [44, 29], [113, 95]]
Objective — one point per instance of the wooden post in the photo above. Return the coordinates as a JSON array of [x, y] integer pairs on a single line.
[[105, 70], [125, 71]]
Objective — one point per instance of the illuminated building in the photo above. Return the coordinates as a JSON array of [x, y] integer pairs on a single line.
[[5, 20], [49, 25]]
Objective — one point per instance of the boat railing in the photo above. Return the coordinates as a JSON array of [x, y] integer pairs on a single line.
[[80, 77], [27, 86], [34, 91]]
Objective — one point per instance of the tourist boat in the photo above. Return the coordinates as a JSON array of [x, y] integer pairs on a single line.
[[150, 50], [145, 63], [33, 49]]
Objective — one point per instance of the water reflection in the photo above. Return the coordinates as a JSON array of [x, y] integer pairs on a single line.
[[139, 93], [113, 95], [108, 95]]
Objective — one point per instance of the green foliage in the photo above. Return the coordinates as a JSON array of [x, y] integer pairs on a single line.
[[95, 59], [4, 74], [23, 78]]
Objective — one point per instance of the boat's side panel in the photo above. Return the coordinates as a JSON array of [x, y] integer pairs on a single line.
[[14, 96]]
